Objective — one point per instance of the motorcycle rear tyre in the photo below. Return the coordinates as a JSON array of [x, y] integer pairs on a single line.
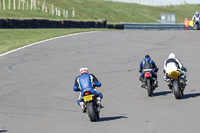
[[149, 88], [177, 91], [91, 112]]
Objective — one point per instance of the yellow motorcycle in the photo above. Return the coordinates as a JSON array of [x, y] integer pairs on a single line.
[[176, 83]]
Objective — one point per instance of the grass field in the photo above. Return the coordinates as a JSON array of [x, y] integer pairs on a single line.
[[14, 38], [114, 12]]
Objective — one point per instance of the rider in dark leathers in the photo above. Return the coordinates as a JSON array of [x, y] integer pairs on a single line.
[[147, 63]]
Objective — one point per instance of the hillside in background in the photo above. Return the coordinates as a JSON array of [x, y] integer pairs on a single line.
[[113, 12]]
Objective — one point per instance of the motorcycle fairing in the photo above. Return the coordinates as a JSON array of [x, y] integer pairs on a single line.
[[174, 75]]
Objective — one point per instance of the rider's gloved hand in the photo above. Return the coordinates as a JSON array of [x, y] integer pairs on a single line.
[[156, 70], [98, 84], [76, 88], [164, 71], [184, 69], [140, 70]]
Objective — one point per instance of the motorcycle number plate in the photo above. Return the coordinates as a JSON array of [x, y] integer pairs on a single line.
[[87, 98]]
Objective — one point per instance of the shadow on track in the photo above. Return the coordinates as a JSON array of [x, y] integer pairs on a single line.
[[3, 131], [187, 96], [110, 118], [163, 93]]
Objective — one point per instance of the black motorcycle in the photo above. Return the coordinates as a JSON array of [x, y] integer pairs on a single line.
[[149, 81], [91, 106]]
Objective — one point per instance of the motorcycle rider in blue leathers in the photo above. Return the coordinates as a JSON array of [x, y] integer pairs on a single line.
[[85, 81], [147, 63]]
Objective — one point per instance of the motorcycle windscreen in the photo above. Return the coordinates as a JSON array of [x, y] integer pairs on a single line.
[[174, 75]]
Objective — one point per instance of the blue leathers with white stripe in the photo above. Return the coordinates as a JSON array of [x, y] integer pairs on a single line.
[[85, 82]]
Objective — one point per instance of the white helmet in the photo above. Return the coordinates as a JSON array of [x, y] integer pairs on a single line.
[[84, 70], [172, 55], [196, 13]]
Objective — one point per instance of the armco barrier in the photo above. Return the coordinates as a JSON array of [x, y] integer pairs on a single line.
[[146, 26]]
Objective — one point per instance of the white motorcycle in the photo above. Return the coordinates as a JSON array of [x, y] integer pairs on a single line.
[[196, 23], [176, 82]]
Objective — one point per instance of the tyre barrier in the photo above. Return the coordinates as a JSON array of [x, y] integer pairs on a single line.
[[45, 23], [115, 26]]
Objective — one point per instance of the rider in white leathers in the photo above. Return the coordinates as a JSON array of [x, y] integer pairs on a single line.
[[174, 64], [196, 17]]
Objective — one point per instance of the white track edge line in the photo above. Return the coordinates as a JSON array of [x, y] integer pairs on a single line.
[[32, 44]]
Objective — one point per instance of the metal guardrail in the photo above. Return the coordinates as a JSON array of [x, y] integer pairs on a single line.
[[145, 26]]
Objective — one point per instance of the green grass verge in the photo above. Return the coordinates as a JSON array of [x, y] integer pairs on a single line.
[[14, 38], [114, 12]]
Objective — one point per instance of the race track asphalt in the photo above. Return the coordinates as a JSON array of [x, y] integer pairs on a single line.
[[36, 84]]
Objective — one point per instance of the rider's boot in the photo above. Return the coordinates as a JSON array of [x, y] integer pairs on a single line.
[[184, 80], [166, 78], [99, 102], [155, 84], [82, 105], [143, 83], [184, 83]]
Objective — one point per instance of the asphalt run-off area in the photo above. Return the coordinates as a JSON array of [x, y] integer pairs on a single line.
[[36, 84]]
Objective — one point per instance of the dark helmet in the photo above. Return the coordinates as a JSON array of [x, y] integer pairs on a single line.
[[147, 56]]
